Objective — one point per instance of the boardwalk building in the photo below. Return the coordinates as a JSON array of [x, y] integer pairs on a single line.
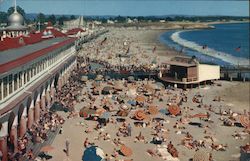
[[186, 71]]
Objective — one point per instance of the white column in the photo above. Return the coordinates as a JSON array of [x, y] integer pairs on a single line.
[[22, 77], [8, 86], [13, 83], [2, 89], [17, 81]]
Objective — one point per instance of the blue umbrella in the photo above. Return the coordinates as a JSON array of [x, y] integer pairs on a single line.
[[105, 115], [93, 153], [132, 102], [164, 111]]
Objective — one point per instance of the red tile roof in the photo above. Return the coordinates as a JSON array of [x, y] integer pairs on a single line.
[[25, 59], [74, 31], [32, 38]]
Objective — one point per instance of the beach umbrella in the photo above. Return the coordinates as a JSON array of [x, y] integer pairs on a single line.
[[164, 111], [126, 151], [131, 102], [86, 112], [84, 78], [140, 99], [131, 78], [244, 121], [105, 115], [107, 90], [201, 155], [122, 113], [159, 85], [107, 77], [140, 115], [93, 153], [153, 110], [199, 115], [174, 110], [47, 148], [99, 77]]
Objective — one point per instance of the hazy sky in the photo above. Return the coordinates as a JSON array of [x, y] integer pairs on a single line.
[[133, 7]]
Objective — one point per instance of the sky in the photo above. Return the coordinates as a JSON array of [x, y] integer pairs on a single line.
[[132, 7]]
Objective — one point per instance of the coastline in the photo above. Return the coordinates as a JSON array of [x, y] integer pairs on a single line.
[[233, 60]]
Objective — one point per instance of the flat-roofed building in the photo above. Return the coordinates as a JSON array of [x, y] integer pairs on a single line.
[[188, 71]]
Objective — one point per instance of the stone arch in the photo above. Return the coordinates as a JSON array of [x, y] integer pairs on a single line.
[[30, 111], [11, 121], [22, 123], [29, 100], [12, 131]]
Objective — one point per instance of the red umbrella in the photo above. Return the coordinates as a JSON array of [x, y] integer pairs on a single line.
[[140, 115], [153, 110], [126, 151], [244, 120], [174, 110]]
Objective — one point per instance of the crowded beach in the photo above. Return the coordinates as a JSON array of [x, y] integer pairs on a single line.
[[137, 119]]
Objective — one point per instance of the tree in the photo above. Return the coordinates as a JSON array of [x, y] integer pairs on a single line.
[[3, 17], [52, 19], [72, 17], [19, 10], [41, 17], [62, 19]]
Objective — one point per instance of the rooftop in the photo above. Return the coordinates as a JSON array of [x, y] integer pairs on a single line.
[[182, 61], [12, 54]]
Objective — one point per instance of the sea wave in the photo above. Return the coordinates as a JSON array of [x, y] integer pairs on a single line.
[[208, 51]]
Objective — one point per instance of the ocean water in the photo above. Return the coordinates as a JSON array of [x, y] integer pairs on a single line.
[[221, 43]]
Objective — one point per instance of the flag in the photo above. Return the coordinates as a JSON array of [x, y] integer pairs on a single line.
[[238, 48]]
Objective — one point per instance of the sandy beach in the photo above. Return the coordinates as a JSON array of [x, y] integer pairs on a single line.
[[219, 102]]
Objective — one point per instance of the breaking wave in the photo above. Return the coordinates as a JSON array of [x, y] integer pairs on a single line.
[[208, 51]]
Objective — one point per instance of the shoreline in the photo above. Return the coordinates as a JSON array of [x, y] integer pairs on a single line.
[[233, 60]]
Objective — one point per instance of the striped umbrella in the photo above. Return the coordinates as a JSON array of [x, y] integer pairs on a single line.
[[244, 120], [140, 115], [174, 110], [153, 110]]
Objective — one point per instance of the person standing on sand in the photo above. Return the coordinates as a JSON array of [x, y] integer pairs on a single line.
[[67, 147], [129, 129]]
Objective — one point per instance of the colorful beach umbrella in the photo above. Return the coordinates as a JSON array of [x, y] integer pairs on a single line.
[[105, 115], [140, 99], [126, 151], [244, 121], [131, 102], [174, 110], [153, 110], [140, 115], [93, 153], [164, 111]]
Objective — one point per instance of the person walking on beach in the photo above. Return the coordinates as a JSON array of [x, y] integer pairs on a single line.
[[129, 129], [67, 147]]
